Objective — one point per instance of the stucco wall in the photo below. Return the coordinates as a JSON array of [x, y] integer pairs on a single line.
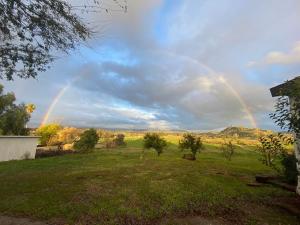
[[297, 152], [17, 147]]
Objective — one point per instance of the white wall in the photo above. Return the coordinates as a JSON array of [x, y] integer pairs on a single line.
[[17, 147], [297, 152]]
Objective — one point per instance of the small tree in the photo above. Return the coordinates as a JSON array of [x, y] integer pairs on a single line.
[[228, 150], [88, 140], [272, 149], [13, 117], [119, 140], [153, 140], [192, 142], [68, 135], [48, 133]]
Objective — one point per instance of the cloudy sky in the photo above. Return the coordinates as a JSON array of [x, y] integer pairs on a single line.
[[172, 64]]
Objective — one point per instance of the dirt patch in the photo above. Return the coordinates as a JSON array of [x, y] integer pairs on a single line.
[[6, 220]]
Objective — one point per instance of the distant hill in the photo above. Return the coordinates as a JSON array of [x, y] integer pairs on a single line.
[[243, 132]]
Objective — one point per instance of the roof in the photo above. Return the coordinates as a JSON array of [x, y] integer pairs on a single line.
[[281, 89]]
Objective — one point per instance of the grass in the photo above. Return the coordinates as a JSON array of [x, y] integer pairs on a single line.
[[118, 187]]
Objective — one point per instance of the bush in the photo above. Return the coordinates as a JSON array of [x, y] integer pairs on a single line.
[[154, 141], [289, 163], [119, 140], [48, 134], [274, 153], [68, 135], [228, 150], [191, 142], [88, 140]]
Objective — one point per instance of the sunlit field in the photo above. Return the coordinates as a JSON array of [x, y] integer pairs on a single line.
[[126, 186]]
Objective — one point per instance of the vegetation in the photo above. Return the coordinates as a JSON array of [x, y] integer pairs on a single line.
[[31, 31], [153, 140], [191, 142], [13, 117], [283, 116], [48, 133], [119, 140], [289, 163], [116, 187], [243, 132], [274, 153], [87, 141], [68, 135], [228, 149]]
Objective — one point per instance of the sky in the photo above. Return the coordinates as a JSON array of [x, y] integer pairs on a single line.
[[172, 64]]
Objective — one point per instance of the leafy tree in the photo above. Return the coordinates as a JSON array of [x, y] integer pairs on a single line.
[[68, 135], [13, 118], [192, 142], [283, 116], [273, 151], [48, 133], [88, 140], [153, 140], [30, 108], [31, 31], [228, 150], [119, 140]]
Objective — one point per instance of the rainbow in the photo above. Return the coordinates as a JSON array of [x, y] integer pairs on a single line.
[[213, 73]]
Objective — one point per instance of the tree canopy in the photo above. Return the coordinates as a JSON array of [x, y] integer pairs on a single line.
[[287, 109], [32, 30], [154, 141], [192, 142], [13, 117]]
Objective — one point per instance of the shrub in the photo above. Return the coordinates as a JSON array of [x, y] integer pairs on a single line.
[[289, 163], [228, 150], [273, 151], [119, 140], [68, 135], [48, 133], [192, 142], [88, 140], [154, 141]]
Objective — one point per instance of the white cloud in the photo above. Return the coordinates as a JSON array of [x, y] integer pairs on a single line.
[[280, 58]]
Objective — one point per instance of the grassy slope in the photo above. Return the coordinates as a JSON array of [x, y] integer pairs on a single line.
[[118, 187]]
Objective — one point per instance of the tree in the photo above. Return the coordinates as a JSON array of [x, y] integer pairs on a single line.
[[283, 116], [88, 140], [31, 31], [68, 135], [228, 149], [273, 151], [13, 118], [119, 140], [192, 142], [30, 108], [154, 141], [48, 133]]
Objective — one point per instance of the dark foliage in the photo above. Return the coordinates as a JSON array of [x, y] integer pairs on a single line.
[[31, 30], [119, 140], [289, 163], [154, 141], [192, 142], [88, 140], [13, 118], [283, 116]]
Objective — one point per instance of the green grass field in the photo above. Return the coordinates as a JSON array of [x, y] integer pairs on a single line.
[[117, 186]]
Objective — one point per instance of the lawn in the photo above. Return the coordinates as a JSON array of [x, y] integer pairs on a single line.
[[118, 186]]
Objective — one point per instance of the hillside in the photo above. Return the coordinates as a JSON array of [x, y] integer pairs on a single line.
[[243, 132]]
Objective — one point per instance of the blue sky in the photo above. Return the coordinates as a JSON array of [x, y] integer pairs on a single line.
[[162, 65]]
